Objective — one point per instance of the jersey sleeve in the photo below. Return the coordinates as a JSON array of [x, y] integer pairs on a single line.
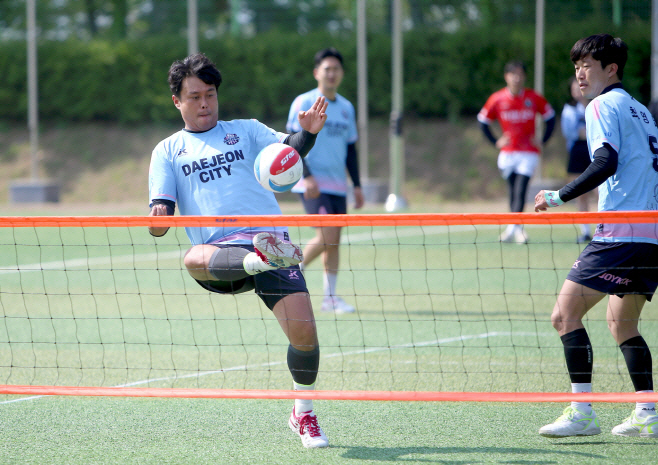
[[602, 125], [544, 108], [162, 181], [488, 113], [569, 123], [264, 136], [353, 134]]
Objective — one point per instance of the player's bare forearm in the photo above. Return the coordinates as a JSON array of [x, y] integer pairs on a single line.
[[313, 119], [158, 210]]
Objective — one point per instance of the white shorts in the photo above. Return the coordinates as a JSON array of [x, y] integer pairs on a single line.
[[523, 163]]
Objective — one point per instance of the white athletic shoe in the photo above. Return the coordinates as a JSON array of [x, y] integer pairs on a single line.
[[572, 422], [306, 425], [275, 252], [634, 426], [507, 236], [520, 237], [336, 305]]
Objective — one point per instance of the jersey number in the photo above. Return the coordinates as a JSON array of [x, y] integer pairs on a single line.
[[653, 145]]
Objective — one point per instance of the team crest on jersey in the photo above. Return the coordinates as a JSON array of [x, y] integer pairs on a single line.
[[527, 103], [345, 115], [231, 139]]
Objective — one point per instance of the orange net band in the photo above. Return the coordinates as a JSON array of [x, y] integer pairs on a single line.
[[434, 219], [404, 396]]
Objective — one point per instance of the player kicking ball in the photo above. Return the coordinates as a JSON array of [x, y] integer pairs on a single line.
[[621, 259], [207, 168]]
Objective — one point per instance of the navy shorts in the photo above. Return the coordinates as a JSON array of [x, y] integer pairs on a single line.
[[618, 268], [270, 286], [326, 204]]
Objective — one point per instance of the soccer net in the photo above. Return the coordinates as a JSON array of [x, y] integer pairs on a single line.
[[445, 311]]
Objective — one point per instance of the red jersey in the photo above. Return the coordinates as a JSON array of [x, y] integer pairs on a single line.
[[516, 116]]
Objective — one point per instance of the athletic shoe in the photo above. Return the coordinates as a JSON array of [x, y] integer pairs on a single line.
[[572, 422], [336, 305], [507, 236], [520, 237], [634, 426], [275, 252], [583, 238], [306, 425]]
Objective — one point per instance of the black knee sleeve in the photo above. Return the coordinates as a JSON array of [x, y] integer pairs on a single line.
[[303, 365], [638, 360], [579, 355]]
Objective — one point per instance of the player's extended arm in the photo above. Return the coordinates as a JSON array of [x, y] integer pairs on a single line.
[[550, 125], [604, 165], [161, 207], [352, 164]]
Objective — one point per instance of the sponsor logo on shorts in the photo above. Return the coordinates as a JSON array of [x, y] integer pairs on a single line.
[[615, 279], [293, 274], [231, 139], [576, 263], [286, 236]]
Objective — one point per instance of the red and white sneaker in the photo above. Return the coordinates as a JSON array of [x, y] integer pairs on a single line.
[[306, 425], [275, 252]]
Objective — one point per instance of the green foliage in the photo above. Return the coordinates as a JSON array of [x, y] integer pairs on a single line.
[[445, 74]]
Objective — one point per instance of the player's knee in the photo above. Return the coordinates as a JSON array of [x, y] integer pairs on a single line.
[[557, 320], [194, 262], [304, 337]]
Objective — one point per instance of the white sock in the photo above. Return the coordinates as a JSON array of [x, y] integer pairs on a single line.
[[303, 405], [645, 409], [584, 229], [585, 407], [510, 229], [330, 284], [253, 264]]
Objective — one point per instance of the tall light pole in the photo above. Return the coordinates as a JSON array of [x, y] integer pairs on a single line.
[[395, 201], [192, 27], [32, 88]]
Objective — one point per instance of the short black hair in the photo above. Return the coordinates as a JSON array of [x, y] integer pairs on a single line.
[[197, 65], [326, 53], [510, 66], [603, 48]]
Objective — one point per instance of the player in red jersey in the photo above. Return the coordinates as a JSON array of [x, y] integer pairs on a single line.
[[515, 107]]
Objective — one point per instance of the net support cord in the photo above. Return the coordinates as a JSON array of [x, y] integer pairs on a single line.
[[402, 396]]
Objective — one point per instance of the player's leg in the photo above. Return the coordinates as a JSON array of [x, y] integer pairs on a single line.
[[207, 262], [327, 243], [573, 302], [285, 293], [295, 315], [623, 316]]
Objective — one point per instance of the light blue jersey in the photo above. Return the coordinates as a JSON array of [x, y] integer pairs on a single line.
[[211, 173], [616, 118], [326, 160]]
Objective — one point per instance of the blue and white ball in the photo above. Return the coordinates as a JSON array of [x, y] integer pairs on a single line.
[[278, 167]]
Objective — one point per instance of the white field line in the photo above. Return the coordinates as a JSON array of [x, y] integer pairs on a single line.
[[177, 254], [335, 354]]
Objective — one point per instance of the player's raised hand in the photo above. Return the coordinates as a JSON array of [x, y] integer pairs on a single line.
[[313, 119]]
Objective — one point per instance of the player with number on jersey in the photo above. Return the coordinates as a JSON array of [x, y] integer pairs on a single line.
[[622, 259]]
